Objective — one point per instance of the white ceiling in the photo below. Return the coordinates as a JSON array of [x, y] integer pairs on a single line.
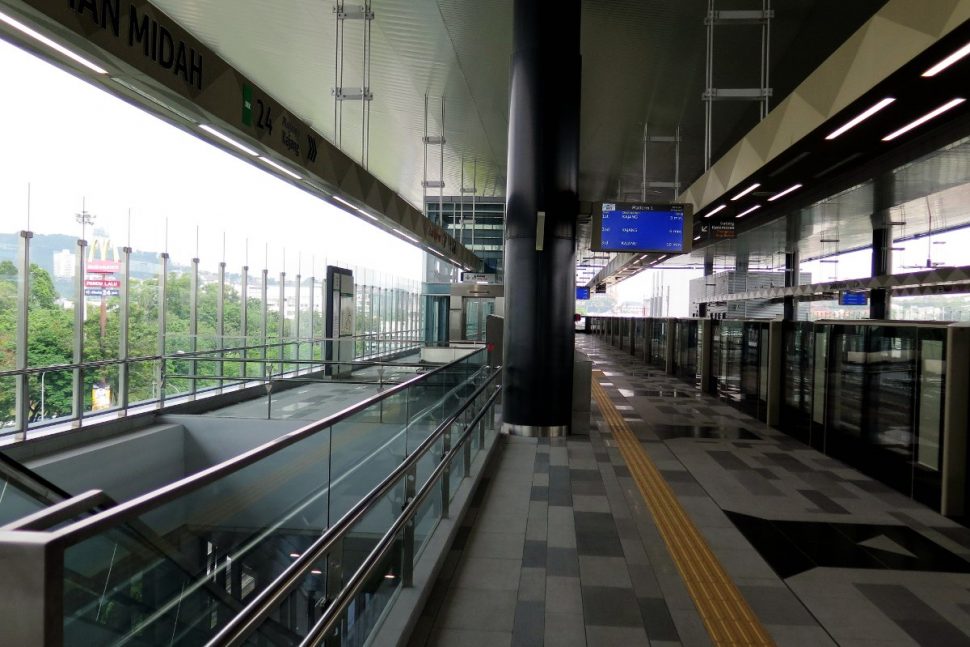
[[643, 60]]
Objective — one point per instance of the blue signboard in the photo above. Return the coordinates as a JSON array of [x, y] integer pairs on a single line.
[[849, 298], [628, 227], [582, 294]]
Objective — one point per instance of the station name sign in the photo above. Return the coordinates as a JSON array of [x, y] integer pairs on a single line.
[[144, 32]]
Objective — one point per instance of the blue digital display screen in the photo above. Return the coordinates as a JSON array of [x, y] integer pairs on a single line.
[[641, 228], [853, 298], [582, 294]]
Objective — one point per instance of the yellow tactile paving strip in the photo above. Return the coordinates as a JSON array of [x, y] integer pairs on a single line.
[[726, 614]]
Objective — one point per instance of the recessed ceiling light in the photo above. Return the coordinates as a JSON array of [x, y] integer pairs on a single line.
[[782, 194], [948, 61], [744, 213], [229, 140], [855, 121], [746, 191], [57, 47], [713, 211], [922, 120]]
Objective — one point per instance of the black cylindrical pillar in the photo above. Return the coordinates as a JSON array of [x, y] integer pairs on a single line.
[[882, 242], [541, 208], [791, 280]]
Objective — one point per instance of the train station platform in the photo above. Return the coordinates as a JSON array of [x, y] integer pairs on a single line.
[[682, 520]]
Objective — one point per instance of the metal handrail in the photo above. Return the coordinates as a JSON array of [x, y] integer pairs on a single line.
[[90, 526], [248, 620], [332, 614]]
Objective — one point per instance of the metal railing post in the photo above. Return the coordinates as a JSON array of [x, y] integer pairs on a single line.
[[160, 347], [22, 401], [194, 325], [282, 330], [244, 319], [446, 475], [221, 322], [407, 543], [264, 321], [77, 379], [123, 329]]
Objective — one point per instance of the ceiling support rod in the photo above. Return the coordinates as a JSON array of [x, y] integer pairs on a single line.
[[761, 94], [341, 93], [439, 141], [648, 139]]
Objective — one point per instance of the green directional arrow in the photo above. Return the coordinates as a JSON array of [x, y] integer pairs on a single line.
[[247, 105]]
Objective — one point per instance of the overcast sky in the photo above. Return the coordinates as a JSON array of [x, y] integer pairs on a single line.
[[73, 142]]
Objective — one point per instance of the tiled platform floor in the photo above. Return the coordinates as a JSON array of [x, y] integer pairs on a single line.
[[561, 550]]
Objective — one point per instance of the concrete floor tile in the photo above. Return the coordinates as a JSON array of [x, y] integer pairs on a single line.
[[488, 573], [479, 610]]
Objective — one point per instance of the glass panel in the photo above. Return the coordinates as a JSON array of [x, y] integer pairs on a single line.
[[931, 375], [50, 395], [245, 525], [8, 414], [365, 450]]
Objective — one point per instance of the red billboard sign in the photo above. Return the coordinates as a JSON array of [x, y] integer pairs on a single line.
[[103, 267]]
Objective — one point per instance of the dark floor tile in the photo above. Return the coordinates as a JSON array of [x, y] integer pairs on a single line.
[[602, 544], [657, 620], [561, 497], [585, 475], [609, 606], [677, 476], [594, 521], [766, 473], [562, 562], [589, 488], [757, 484], [528, 630], [621, 471], [728, 461], [539, 493], [915, 617], [824, 503], [787, 461], [534, 554]]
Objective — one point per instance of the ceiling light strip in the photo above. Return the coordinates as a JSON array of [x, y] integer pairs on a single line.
[[411, 238], [281, 168], [744, 213], [57, 47], [746, 191], [713, 211], [922, 120], [229, 140], [782, 194], [855, 121], [948, 61]]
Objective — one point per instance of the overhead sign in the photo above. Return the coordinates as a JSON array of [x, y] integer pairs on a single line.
[[102, 267], [475, 277], [641, 227], [723, 230], [101, 292], [853, 298], [102, 283], [582, 294]]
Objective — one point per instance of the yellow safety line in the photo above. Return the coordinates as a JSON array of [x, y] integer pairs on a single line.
[[726, 614]]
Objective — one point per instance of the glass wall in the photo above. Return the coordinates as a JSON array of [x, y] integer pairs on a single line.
[[139, 274]]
